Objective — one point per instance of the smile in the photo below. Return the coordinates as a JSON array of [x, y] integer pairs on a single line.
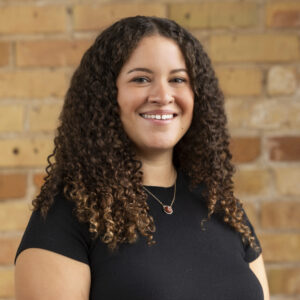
[[159, 117]]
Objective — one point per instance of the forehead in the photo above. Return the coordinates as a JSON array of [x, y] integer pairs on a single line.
[[156, 50]]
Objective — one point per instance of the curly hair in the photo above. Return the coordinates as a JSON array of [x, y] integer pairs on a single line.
[[95, 164]]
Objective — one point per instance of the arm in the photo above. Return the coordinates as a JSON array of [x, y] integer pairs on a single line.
[[43, 274], [258, 268]]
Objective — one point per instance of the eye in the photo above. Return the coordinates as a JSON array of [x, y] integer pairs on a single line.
[[178, 80], [141, 79]]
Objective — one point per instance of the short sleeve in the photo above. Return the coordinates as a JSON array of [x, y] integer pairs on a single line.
[[60, 232], [250, 253]]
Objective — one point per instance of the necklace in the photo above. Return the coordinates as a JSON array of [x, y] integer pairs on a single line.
[[166, 208]]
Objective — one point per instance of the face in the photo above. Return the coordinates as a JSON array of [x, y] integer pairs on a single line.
[[155, 95]]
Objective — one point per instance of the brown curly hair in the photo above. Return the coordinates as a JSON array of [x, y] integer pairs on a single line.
[[95, 164]]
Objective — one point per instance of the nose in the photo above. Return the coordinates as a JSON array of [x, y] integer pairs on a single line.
[[160, 94]]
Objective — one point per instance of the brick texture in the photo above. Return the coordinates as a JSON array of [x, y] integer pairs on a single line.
[[12, 185], [281, 81], [215, 14], [240, 82], [14, 215], [280, 247], [284, 148], [283, 14], [50, 53], [33, 84], [287, 180], [280, 215], [284, 280], [93, 17], [7, 282], [25, 152], [251, 182], [8, 249], [254, 48], [16, 19], [4, 53], [38, 180], [45, 117], [11, 118], [245, 149], [261, 114]]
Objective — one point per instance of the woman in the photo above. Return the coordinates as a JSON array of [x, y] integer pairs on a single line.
[[141, 152]]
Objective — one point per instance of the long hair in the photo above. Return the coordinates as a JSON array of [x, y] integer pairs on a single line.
[[95, 164]]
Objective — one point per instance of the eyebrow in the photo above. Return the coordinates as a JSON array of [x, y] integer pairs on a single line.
[[151, 72]]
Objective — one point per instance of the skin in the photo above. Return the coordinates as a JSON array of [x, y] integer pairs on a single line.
[[57, 277], [155, 78]]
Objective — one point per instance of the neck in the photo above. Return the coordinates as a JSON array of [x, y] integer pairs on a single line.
[[158, 170]]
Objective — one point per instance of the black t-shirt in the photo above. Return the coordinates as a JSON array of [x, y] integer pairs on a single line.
[[185, 263]]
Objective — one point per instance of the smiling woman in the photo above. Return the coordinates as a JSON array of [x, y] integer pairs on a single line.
[[142, 151], [155, 96]]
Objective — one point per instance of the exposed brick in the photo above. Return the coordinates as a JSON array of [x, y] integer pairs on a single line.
[[8, 249], [215, 14], [38, 180], [287, 180], [254, 48], [251, 182], [285, 148], [11, 118], [7, 282], [278, 247], [44, 117], [251, 213], [4, 53], [14, 215], [281, 81], [283, 14], [245, 149], [258, 114], [50, 52], [32, 19], [240, 82], [97, 16], [33, 83], [280, 214], [284, 280], [12, 185], [25, 152]]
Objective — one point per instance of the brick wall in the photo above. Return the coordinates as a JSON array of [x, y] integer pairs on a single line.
[[254, 46]]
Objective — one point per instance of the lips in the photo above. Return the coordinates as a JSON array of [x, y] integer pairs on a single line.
[[159, 112]]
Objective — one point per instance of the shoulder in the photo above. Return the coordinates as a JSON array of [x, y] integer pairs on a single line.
[[60, 231]]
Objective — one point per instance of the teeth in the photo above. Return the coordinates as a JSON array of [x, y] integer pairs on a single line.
[[157, 117]]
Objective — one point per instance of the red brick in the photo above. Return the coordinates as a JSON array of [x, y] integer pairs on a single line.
[[280, 215], [284, 148], [283, 14], [245, 149], [12, 185]]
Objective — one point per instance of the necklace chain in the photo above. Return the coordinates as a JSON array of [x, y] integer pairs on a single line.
[[167, 208]]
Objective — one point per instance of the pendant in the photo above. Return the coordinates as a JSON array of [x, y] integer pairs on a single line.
[[168, 209]]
